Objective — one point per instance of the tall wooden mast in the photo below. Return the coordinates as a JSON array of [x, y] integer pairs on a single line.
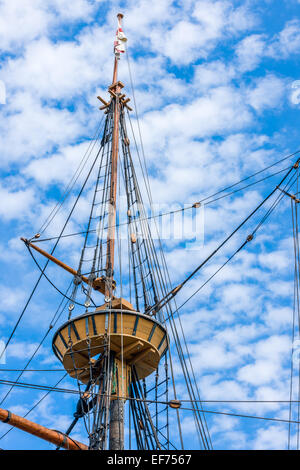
[[116, 419], [112, 348], [114, 89]]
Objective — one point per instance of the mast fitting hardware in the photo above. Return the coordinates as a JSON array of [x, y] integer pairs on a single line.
[[292, 196], [6, 420], [174, 404]]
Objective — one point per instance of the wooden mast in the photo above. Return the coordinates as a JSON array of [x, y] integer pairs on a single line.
[[105, 285], [116, 419], [114, 89]]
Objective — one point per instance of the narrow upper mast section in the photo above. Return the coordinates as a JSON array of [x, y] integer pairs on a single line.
[[105, 285], [118, 46], [115, 91]]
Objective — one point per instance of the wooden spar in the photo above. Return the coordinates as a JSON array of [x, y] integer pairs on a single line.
[[106, 104], [98, 284], [115, 74], [116, 408], [50, 435], [115, 89]]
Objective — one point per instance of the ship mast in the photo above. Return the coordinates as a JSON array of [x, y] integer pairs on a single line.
[[114, 89], [116, 415], [119, 349]]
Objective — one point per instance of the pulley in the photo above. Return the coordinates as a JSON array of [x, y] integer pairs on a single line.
[[174, 404]]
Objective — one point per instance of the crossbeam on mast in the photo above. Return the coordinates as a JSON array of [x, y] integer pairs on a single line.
[[97, 284]]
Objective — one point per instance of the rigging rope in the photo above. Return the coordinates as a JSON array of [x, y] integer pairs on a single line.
[[47, 262], [52, 324], [37, 403], [189, 207], [296, 316], [68, 391], [249, 238], [74, 179], [150, 436], [174, 291], [165, 282]]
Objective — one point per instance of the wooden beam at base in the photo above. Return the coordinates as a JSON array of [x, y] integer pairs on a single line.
[[119, 304], [141, 356], [129, 349]]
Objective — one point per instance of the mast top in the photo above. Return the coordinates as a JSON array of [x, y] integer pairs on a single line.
[[119, 45]]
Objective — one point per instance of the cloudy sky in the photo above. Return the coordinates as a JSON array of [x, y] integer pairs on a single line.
[[217, 91]]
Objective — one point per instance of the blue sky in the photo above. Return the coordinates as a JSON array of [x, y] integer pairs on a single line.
[[217, 94]]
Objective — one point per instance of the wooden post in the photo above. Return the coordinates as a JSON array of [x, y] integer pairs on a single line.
[[116, 425], [116, 407], [50, 435]]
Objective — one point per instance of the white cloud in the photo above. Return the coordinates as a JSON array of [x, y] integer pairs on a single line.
[[272, 438], [239, 297], [259, 373], [253, 48], [213, 74], [278, 316], [137, 23], [190, 40], [29, 129], [60, 70], [31, 20], [276, 260], [23, 350], [221, 110], [11, 298], [269, 92], [287, 42], [250, 51], [269, 354], [61, 166], [15, 204], [213, 356], [81, 9]]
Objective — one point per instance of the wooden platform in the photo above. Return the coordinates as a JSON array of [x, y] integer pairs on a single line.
[[134, 338]]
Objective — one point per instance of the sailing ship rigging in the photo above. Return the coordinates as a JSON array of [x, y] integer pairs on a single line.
[[120, 342]]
